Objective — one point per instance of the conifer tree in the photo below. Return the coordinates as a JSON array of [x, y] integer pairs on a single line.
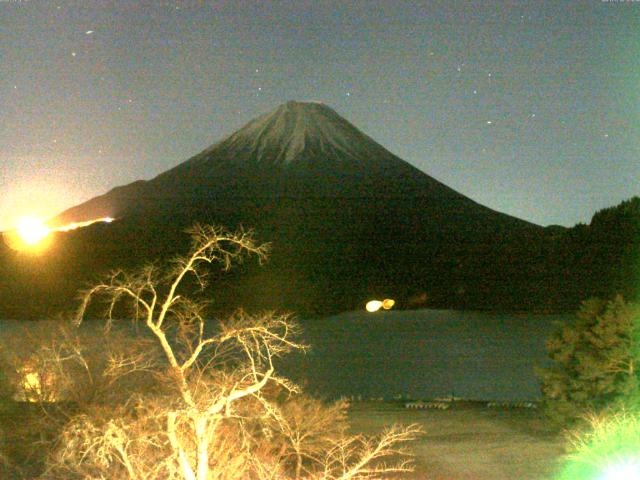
[[596, 361]]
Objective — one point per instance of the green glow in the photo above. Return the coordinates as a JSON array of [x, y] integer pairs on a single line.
[[622, 470], [610, 451]]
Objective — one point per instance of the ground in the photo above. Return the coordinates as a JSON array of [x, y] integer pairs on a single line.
[[470, 441]]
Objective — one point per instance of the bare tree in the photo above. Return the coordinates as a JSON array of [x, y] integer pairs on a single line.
[[214, 410], [359, 457]]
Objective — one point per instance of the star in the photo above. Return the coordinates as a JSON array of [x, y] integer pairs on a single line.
[[475, 92]]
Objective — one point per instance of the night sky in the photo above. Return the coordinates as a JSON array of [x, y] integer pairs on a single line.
[[530, 108]]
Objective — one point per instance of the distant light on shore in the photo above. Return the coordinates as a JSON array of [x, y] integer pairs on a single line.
[[375, 305], [388, 303], [75, 225]]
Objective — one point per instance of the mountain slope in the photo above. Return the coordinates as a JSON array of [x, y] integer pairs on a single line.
[[347, 220], [298, 150]]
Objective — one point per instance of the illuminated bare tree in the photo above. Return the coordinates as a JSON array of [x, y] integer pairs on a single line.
[[359, 457], [310, 429], [215, 410]]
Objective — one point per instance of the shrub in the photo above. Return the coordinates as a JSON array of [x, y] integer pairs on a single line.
[[596, 361]]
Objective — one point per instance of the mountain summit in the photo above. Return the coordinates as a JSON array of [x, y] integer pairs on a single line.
[[296, 131], [300, 149], [348, 220]]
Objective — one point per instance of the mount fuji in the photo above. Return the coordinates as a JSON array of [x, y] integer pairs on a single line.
[[347, 219]]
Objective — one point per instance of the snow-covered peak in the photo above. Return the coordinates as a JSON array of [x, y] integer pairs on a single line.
[[284, 135], [298, 146]]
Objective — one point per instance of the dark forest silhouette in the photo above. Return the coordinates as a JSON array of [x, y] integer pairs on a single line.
[[552, 271]]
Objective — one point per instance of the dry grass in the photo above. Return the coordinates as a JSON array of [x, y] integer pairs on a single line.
[[471, 442]]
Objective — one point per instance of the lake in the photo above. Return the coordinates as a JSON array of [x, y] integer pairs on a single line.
[[425, 354], [419, 354]]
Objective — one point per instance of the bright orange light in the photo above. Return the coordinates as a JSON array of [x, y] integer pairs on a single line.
[[30, 235], [75, 225], [32, 230], [388, 303], [33, 235], [375, 305]]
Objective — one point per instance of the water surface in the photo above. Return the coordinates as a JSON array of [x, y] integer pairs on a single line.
[[425, 354]]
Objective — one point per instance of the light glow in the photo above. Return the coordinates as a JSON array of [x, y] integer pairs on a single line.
[[32, 230], [375, 305], [75, 225], [32, 386], [32, 234], [626, 470], [388, 303], [610, 450]]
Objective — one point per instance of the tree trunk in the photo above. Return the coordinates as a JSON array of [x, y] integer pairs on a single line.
[[187, 471], [203, 447], [298, 464]]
